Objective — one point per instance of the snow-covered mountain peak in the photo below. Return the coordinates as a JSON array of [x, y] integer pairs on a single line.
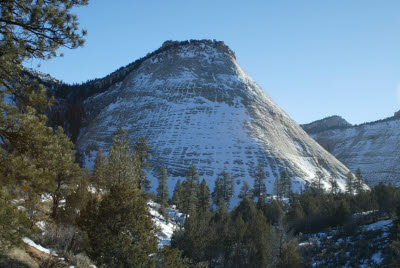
[[195, 104]]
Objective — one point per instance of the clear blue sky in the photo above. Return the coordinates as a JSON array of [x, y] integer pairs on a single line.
[[314, 58]]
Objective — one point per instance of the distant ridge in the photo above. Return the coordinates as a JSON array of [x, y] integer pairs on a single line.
[[331, 122], [372, 146]]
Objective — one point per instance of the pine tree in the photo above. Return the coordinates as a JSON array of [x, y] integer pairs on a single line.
[[68, 172], [188, 198], [120, 162], [358, 182], [170, 258], [176, 198], [192, 174], [334, 185], [224, 188], [29, 29], [283, 185], [121, 232], [14, 224], [259, 187], [99, 174], [350, 183], [318, 181], [162, 190], [204, 199], [278, 187], [245, 191], [76, 201], [290, 256], [142, 156]]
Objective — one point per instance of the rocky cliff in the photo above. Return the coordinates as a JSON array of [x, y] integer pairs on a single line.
[[195, 104], [373, 147]]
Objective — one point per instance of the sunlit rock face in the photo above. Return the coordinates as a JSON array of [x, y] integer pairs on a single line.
[[195, 104], [373, 147]]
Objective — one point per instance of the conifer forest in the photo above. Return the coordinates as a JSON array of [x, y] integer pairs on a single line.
[[178, 159]]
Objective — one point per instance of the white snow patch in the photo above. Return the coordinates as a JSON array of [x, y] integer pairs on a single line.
[[383, 225], [38, 247]]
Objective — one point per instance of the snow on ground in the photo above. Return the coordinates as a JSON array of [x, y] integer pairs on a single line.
[[38, 247], [377, 257], [167, 228], [383, 225]]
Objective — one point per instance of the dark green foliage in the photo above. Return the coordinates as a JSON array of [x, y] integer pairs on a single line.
[[290, 256], [317, 183], [259, 187], [13, 224], [387, 197], [176, 199], [188, 197], [192, 174], [120, 162], [170, 258], [34, 158], [162, 190], [120, 230], [245, 191], [273, 211], [358, 181], [223, 189], [334, 185], [142, 156], [204, 199], [350, 183], [283, 185], [99, 175]]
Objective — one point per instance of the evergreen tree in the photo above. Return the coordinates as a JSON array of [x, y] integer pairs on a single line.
[[358, 181], [176, 199], [278, 187], [162, 190], [170, 258], [259, 187], [204, 199], [224, 188], [188, 198], [290, 256], [76, 201], [192, 175], [29, 29], [67, 172], [245, 191], [189, 191], [120, 162], [14, 224], [142, 156], [99, 174], [121, 232], [334, 185], [318, 181], [350, 183]]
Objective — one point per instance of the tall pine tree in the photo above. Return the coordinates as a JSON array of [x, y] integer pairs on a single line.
[[259, 187], [142, 156], [120, 162], [224, 188], [162, 190]]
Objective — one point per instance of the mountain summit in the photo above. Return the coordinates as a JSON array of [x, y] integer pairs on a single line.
[[196, 105]]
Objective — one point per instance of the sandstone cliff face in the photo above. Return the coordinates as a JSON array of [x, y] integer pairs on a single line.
[[195, 104], [373, 147]]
